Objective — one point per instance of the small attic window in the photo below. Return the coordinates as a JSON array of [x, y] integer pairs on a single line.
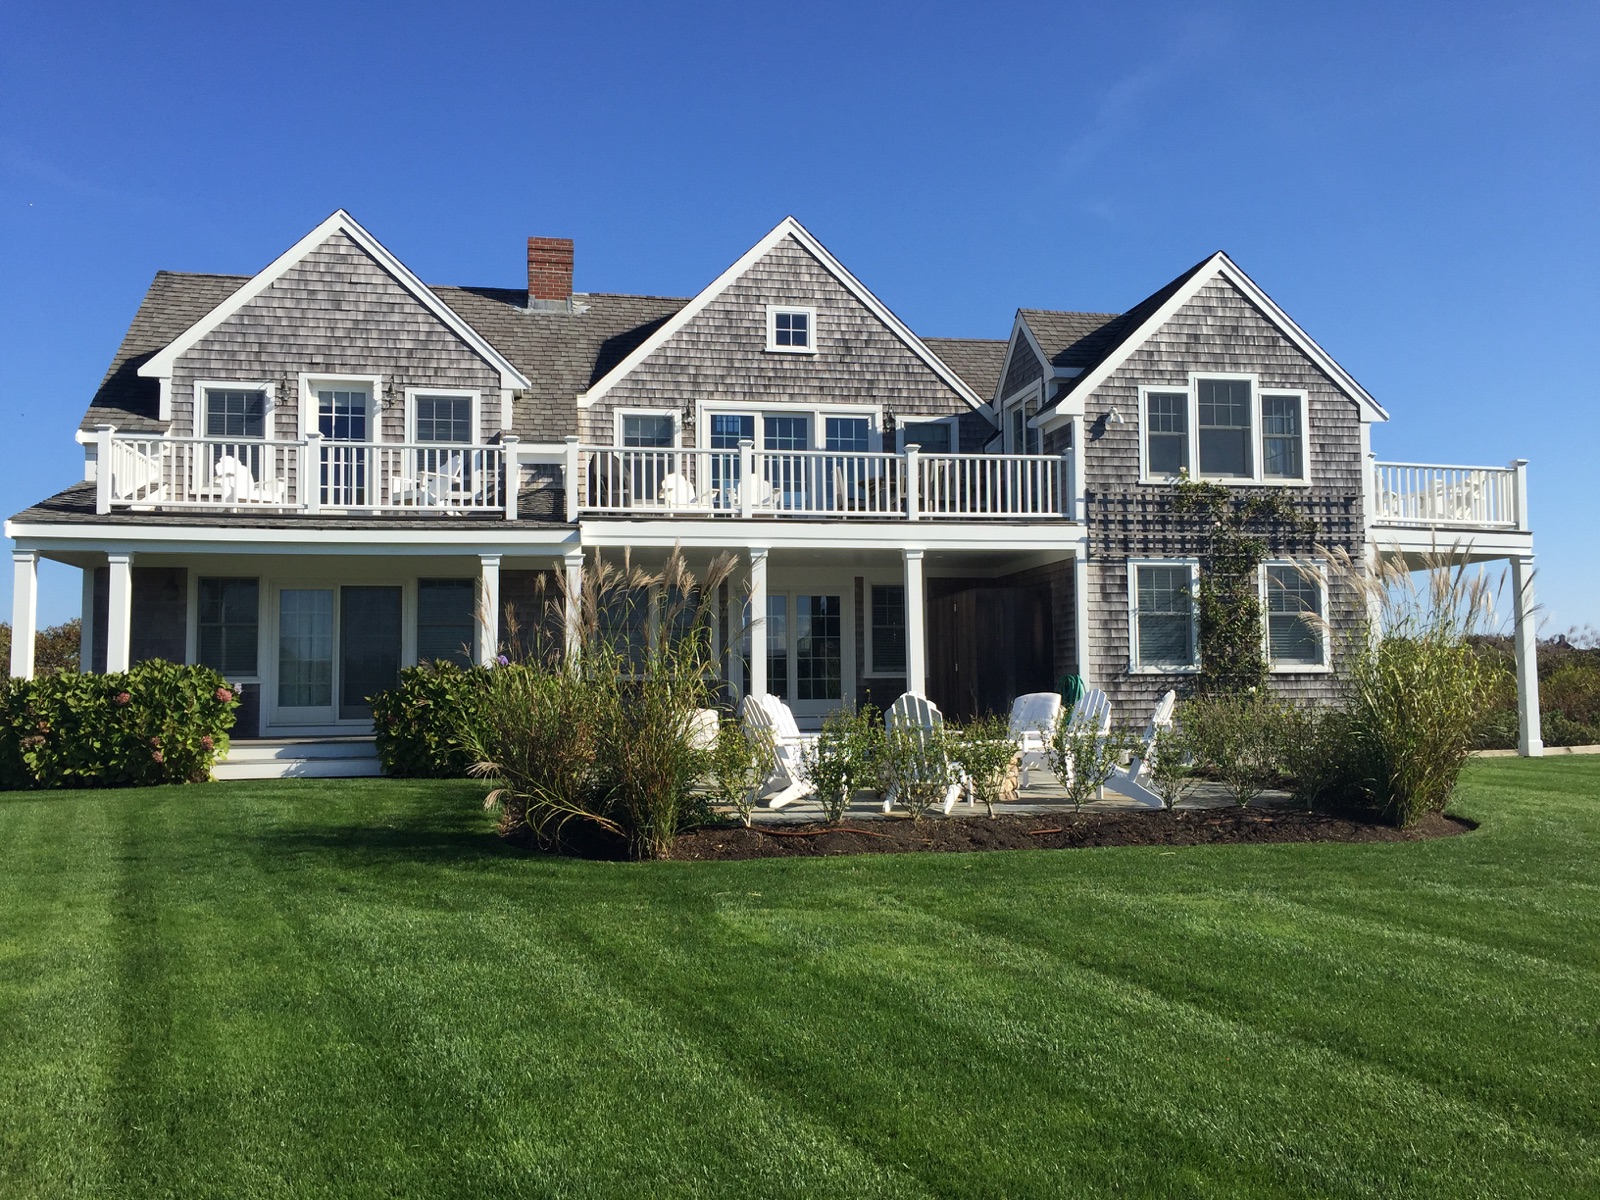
[[791, 330]]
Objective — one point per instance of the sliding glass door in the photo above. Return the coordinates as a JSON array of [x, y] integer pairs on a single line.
[[336, 647]]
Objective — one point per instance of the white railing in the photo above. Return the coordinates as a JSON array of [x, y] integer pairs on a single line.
[[746, 482], [1464, 497], [140, 472], [163, 472], [991, 485]]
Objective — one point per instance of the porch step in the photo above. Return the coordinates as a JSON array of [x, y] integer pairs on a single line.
[[299, 758]]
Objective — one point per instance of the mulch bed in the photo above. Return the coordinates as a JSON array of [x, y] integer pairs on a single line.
[[1055, 831]]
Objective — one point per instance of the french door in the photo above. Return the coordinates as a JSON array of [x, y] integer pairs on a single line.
[[344, 418], [336, 647], [806, 651]]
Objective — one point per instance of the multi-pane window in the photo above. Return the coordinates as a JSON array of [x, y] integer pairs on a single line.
[[818, 647], [778, 646], [1167, 432], [791, 329], [1281, 437], [229, 625], [445, 630], [1164, 615], [444, 419], [236, 412], [931, 437], [848, 435], [1294, 613], [1225, 428], [342, 414], [648, 429], [888, 629]]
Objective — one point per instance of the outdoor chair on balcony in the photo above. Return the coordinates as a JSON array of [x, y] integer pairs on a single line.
[[678, 493], [437, 481], [1127, 780], [769, 717], [920, 717], [235, 484]]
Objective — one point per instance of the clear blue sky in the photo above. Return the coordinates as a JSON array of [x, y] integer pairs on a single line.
[[1418, 184]]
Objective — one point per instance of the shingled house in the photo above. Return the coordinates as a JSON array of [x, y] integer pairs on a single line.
[[315, 475]]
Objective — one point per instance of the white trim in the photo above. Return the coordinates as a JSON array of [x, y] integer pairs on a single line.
[[201, 386], [901, 420], [1144, 432], [1219, 265], [806, 310], [412, 394], [1319, 569], [869, 666], [1031, 393], [788, 227], [674, 413], [1019, 324], [160, 365], [310, 404], [1257, 476], [1134, 665]]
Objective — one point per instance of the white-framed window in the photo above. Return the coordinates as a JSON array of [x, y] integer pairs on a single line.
[[933, 435], [343, 408], [1016, 411], [232, 410], [848, 429], [1163, 615], [442, 416], [791, 329], [647, 428], [1224, 428], [886, 629], [1294, 614], [228, 624]]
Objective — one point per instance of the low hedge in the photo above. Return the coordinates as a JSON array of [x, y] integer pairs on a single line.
[[418, 723], [160, 722]]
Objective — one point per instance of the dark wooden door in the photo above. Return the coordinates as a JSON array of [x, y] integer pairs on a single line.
[[986, 647]]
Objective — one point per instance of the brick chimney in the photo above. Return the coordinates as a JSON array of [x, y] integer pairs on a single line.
[[549, 272]]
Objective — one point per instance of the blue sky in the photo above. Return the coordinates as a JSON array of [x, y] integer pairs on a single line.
[[1418, 185]]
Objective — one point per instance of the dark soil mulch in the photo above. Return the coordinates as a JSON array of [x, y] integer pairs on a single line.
[[1064, 831]]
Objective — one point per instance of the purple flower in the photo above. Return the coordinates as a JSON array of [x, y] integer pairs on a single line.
[[502, 660]]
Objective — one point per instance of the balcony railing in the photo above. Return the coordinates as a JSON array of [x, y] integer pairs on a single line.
[[1425, 496], [315, 474], [746, 482]]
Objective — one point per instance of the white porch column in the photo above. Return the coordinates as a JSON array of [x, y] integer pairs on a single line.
[[1080, 611], [758, 620], [488, 640], [24, 611], [573, 562], [916, 625], [86, 624], [119, 612], [1530, 738]]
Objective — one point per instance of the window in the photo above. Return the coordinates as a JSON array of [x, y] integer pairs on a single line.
[[229, 622], [1225, 428], [1163, 633], [848, 435], [649, 429], [818, 647], [444, 418], [933, 437], [1281, 434], [778, 646], [888, 629], [342, 413], [445, 631], [791, 330], [1166, 433], [235, 412], [1294, 615]]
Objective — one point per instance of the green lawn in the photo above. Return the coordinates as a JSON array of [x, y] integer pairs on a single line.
[[350, 988]]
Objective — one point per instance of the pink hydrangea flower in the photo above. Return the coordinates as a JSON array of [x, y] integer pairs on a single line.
[[207, 742], [158, 756], [124, 698], [224, 694]]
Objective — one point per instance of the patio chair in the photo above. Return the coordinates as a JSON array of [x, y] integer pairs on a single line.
[[1095, 708], [769, 717], [1126, 780], [704, 725], [920, 716], [1033, 720]]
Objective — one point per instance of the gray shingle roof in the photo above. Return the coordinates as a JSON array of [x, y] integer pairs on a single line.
[[976, 360], [1068, 339]]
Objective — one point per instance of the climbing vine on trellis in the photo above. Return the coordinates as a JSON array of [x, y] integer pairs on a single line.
[[1234, 544]]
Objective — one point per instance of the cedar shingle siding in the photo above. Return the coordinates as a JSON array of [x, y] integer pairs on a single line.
[[336, 312], [1024, 368], [1219, 330], [720, 354]]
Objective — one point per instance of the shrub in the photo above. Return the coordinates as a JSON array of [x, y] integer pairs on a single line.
[[844, 757], [1573, 691], [1172, 764], [159, 722], [986, 751], [1318, 754], [420, 723], [916, 769], [1236, 738], [740, 764], [1082, 757]]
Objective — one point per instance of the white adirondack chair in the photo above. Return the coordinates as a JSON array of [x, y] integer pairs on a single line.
[[1033, 720], [919, 715], [1095, 708], [704, 725], [1126, 780], [769, 717]]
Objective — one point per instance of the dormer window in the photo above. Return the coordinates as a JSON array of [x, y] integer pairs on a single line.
[[791, 330], [1225, 428]]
